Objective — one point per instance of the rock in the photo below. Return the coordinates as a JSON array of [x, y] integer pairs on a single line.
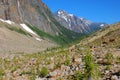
[[53, 74], [50, 66], [59, 72], [80, 66], [15, 74], [106, 72], [77, 59], [72, 49], [66, 73], [32, 61], [40, 78], [72, 67], [114, 77], [67, 68], [76, 68], [62, 67], [71, 72]]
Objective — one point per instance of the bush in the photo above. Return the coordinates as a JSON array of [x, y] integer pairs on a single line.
[[79, 76], [91, 69], [109, 57], [107, 67], [1, 72], [67, 62], [118, 59], [19, 30], [44, 71], [57, 65]]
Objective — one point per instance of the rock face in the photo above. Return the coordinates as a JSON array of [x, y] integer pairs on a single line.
[[77, 24], [37, 14], [14, 38], [28, 11]]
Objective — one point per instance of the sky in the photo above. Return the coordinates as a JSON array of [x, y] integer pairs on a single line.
[[107, 11]]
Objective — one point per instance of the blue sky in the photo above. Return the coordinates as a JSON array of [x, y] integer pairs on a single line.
[[95, 10]]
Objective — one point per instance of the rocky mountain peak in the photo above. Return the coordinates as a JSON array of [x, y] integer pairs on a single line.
[[63, 13], [34, 12], [77, 24], [38, 17]]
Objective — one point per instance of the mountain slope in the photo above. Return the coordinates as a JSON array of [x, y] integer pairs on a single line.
[[82, 62], [15, 38], [107, 35], [37, 14], [80, 25]]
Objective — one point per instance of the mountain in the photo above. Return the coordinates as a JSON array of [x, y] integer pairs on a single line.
[[108, 36], [96, 57], [36, 15], [77, 24], [28, 26], [15, 38]]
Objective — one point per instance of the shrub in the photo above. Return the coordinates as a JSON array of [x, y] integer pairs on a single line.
[[67, 62], [57, 65], [118, 59], [44, 71], [79, 76], [91, 69], [19, 30], [109, 57], [107, 67], [1, 72]]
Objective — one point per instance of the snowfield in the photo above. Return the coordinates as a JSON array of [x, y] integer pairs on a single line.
[[71, 15], [102, 25], [7, 21], [28, 29], [38, 39]]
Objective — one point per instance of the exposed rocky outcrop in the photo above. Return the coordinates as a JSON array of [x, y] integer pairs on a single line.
[[77, 24], [33, 12]]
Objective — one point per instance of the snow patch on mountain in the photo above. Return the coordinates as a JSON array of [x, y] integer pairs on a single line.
[[71, 15], [38, 39], [60, 12], [102, 25], [7, 21], [64, 17], [27, 29], [81, 18]]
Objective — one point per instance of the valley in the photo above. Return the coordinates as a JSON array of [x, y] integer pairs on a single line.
[[36, 44], [85, 60]]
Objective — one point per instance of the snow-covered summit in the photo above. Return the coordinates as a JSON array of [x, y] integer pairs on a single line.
[[77, 24]]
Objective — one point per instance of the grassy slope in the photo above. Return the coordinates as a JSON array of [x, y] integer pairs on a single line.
[[104, 35], [65, 38], [13, 39], [59, 55]]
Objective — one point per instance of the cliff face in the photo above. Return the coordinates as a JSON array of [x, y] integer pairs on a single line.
[[77, 24], [30, 11], [37, 14]]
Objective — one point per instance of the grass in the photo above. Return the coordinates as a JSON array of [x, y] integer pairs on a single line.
[[61, 39], [46, 35], [79, 76], [67, 62], [64, 36], [42, 59], [18, 30], [109, 58], [118, 60], [1, 72], [44, 71], [91, 68]]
